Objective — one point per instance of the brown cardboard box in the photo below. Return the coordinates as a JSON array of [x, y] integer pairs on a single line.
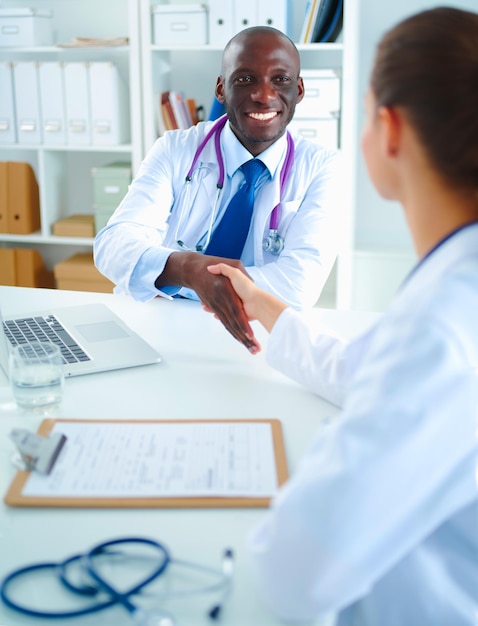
[[84, 285], [78, 273], [75, 226]]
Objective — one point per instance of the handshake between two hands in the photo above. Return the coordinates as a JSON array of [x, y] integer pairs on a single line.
[[226, 290], [241, 301]]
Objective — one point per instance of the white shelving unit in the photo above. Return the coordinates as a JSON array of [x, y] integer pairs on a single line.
[[64, 172], [375, 249], [193, 70]]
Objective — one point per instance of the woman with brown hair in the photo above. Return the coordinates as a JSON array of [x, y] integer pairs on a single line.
[[380, 521]]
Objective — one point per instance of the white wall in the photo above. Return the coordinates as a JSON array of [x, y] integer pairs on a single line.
[[378, 232], [380, 223]]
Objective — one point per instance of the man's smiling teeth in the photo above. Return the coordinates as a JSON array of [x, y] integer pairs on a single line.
[[263, 116]]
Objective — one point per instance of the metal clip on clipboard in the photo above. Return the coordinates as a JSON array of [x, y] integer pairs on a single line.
[[36, 452]]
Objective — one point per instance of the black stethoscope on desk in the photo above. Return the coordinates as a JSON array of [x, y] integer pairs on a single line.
[[273, 243], [72, 570]]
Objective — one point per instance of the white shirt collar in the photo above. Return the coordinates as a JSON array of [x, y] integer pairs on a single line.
[[453, 248], [235, 154]]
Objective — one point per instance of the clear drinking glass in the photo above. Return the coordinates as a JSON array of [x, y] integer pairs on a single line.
[[36, 376]]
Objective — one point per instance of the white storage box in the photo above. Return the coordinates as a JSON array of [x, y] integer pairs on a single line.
[[180, 24], [25, 27], [322, 131], [322, 94]]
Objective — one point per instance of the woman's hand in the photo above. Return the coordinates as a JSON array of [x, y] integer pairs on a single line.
[[188, 269], [258, 304]]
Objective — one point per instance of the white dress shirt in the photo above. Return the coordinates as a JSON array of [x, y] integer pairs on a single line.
[[380, 522], [133, 248]]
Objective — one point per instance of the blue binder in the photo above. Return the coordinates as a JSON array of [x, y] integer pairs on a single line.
[[335, 25], [217, 109], [328, 22]]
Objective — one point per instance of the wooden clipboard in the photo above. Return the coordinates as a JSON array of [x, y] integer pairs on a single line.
[[15, 496]]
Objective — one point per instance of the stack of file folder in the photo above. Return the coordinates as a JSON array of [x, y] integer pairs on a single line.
[[24, 267], [228, 17], [323, 21], [63, 103], [19, 199]]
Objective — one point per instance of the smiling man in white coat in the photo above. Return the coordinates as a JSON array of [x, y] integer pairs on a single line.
[[161, 238]]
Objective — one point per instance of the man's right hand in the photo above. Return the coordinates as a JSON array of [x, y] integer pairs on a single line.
[[189, 269]]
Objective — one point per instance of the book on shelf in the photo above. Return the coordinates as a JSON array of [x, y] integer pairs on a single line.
[[329, 24], [180, 109], [322, 22], [167, 113], [309, 19], [176, 112]]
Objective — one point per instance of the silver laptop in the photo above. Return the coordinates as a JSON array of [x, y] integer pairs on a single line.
[[91, 338]]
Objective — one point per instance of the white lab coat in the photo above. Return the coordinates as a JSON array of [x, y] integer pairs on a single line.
[[133, 248], [380, 522]]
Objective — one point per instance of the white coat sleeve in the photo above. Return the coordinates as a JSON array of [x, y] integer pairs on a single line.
[[138, 227], [355, 508], [298, 275], [315, 356]]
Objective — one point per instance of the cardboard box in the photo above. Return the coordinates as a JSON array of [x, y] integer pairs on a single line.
[[84, 285], [321, 97], [180, 24], [25, 27], [110, 183], [101, 218], [78, 273], [75, 226], [325, 132]]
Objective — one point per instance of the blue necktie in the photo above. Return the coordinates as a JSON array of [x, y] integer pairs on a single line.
[[231, 233]]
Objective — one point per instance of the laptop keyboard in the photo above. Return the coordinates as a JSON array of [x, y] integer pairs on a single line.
[[28, 329]]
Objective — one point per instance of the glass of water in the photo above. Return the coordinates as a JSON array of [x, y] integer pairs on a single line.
[[36, 376]]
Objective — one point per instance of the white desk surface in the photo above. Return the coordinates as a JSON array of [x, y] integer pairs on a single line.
[[205, 374]]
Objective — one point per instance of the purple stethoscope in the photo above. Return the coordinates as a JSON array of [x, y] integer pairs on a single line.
[[273, 243]]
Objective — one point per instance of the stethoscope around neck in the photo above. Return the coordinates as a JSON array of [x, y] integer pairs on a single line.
[[273, 243], [81, 575]]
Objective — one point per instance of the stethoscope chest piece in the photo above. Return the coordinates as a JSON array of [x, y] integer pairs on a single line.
[[273, 243]]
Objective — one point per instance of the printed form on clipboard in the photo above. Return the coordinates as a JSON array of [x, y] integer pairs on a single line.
[[178, 463]]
